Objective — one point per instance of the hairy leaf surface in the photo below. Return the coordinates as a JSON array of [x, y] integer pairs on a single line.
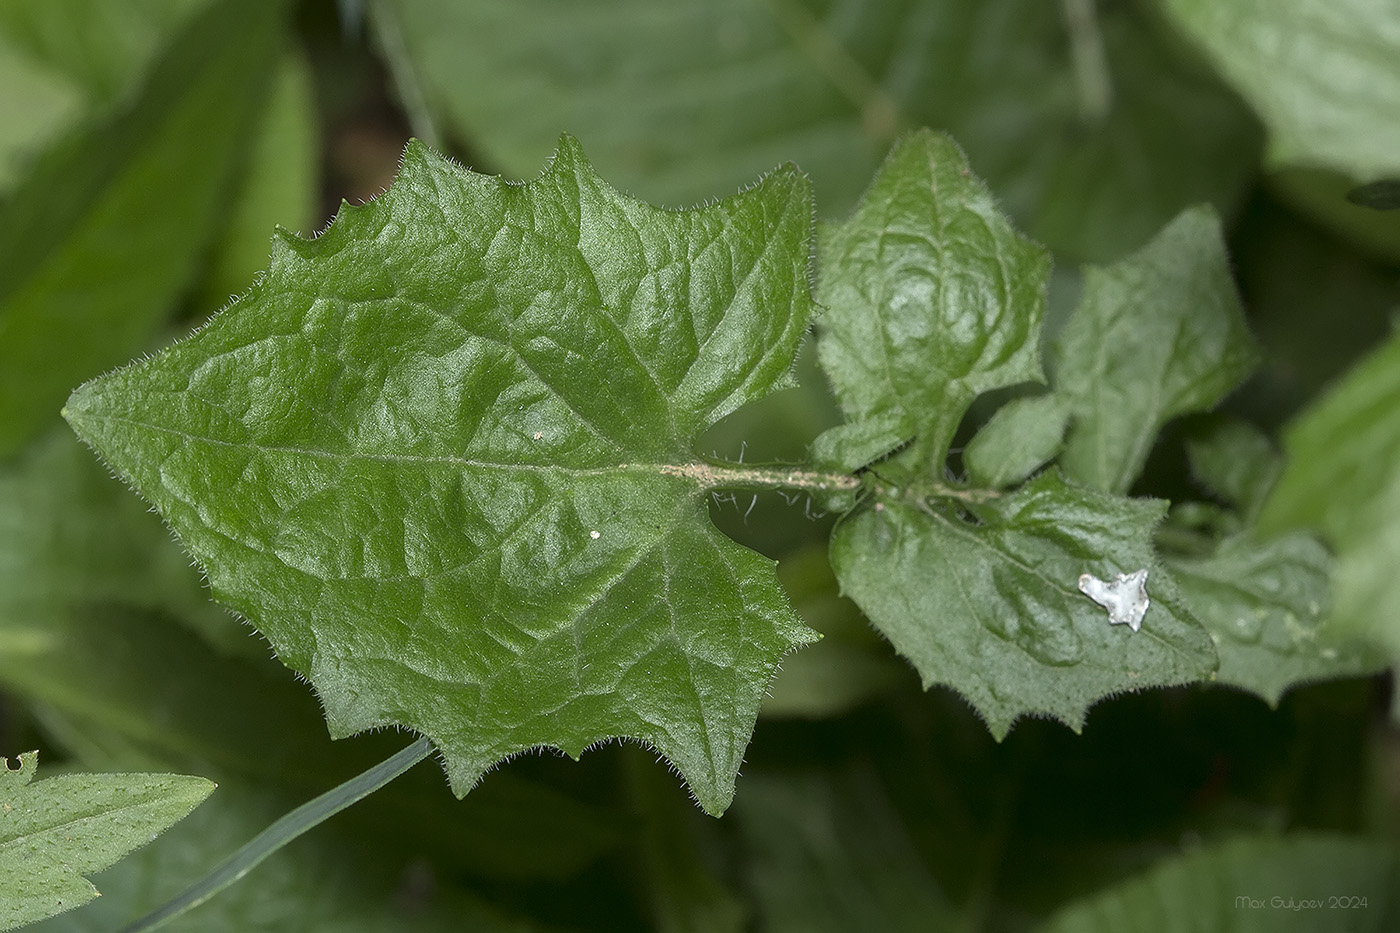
[[933, 297], [1266, 605], [441, 457], [52, 832], [1157, 335], [983, 595]]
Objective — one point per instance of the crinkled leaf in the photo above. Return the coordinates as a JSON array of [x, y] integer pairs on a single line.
[[1267, 884], [1324, 75], [1021, 437], [1157, 335], [932, 297], [683, 99], [441, 457], [54, 831], [990, 605], [93, 594], [1342, 476], [108, 227], [1235, 461], [1266, 606]]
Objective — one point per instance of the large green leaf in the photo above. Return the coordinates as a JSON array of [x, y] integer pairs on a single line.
[[1157, 335], [108, 636], [441, 457], [932, 296], [982, 594], [1267, 884], [1094, 131], [52, 832], [106, 230]]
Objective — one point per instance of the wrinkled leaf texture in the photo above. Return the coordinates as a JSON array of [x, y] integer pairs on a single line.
[[441, 457], [934, 298]]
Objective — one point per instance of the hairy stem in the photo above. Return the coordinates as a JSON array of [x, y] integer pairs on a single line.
[[712, 476]]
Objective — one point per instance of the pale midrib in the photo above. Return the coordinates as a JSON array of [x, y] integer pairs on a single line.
[[704, 475]]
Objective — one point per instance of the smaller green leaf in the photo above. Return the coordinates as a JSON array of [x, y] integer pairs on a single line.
[[1157, 335], [854, 445], [1266, 605], [933, 297], [1019, 439], [52, 832], [1268, 884], [982, 594]]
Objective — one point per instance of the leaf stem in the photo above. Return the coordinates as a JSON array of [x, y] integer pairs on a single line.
[[283, 831], [710, 476]]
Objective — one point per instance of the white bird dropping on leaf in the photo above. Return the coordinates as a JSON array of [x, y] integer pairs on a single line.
[[1125, 597]]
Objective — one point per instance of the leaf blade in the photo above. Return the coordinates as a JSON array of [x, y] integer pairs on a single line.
[[1159, 334], [933, 298], [993, 608], [401, 420], [57, 830]]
